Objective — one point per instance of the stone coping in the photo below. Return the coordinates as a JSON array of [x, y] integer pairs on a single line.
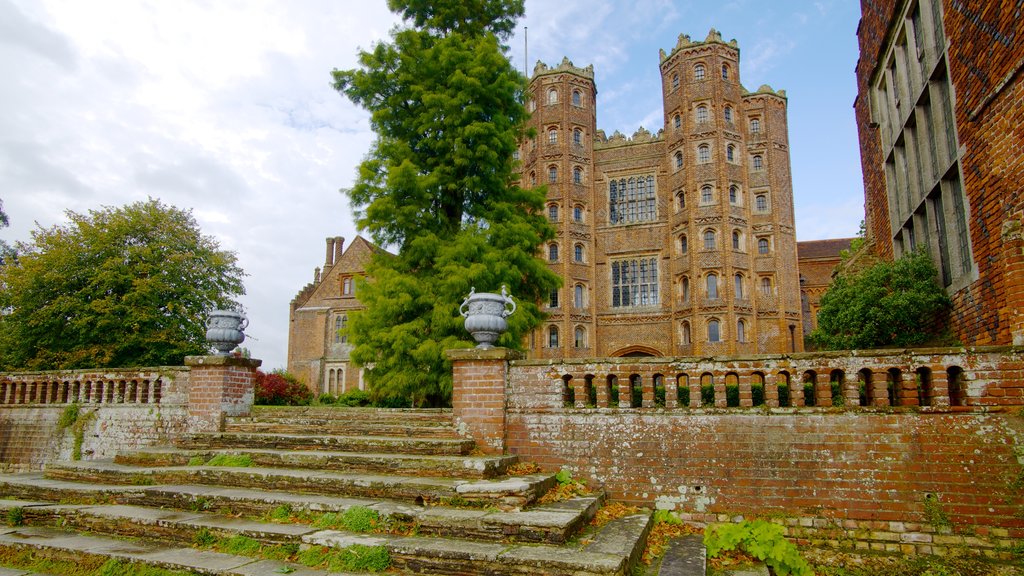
[[218, 360], [794, 356], [496, 353]]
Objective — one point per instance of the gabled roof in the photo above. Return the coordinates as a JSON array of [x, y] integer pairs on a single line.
[[815, 249]]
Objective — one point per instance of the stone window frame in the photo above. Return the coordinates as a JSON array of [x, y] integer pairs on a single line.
[[348, 286], [727, 113], [552, 174], [755, 125], [675, 81], [738, 284], [767, 286], [704, 153], [725, 71], [578, 213], [577, 98], [579, 253], [757, 163], [683, 244], [577, 136], [552, 96], [579, 297], [714, 330], [730, 152], [552, 135], [707, 195], [635, 282], [577, 175], [737, 240], [680, 200], [760, 197], [579, 337], [677, 121], [741, 330], [553, 252], [684, 289], [701, 114], [699, 71], [735, 195], [764, 246], [685, 336], [678, 160], [712, 290], [632, 199], [533, 178], [553, 298], [552, 336], [710, 237], [553, 212]]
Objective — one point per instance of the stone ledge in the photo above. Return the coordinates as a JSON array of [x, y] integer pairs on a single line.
[[217, 360], [464, 354]]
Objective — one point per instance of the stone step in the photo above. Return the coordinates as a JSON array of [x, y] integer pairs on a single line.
[[549, 523], [369, 444], [612, 550], [407, 464], [69, 546], [340, 427], [514, 491]]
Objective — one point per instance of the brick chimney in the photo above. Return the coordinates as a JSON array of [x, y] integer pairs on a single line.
[[339, 247], [329, 259]]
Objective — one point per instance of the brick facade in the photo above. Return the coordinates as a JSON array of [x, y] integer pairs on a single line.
[[646, 224], [317, 355], [219, 387], [968, 60], [817, 261]]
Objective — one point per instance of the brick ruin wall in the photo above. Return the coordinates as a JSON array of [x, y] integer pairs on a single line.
[[121, 410], [905, 478]]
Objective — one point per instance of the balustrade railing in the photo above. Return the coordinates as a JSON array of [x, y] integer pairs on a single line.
[[86, 388]]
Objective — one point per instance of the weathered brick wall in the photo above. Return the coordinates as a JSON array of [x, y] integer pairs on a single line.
[[219, 386], [478, 394], [986, 57], [870, 477], [121, 410]]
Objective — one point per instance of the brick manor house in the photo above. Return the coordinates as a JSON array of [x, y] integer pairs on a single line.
[[679, 243]]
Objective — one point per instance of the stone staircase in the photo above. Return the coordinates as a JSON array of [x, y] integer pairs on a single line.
[[282, 475]]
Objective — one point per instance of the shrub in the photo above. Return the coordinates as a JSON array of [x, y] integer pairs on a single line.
[[280, 388], [354, 398], [762, 540]]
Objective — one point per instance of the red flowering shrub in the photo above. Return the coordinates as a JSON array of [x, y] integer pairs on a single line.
[[280, 388]]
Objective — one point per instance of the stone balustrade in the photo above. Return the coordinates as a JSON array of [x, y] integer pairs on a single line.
[[131, 386]]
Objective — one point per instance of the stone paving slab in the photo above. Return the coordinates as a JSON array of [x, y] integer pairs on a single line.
[[685, 556], [354, 443], [570, 560], [14, 572], [171, 557]]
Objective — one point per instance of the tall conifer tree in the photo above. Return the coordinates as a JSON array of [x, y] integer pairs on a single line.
[[439, 187]]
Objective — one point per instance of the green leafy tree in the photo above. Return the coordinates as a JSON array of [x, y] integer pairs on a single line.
[[896, 303], [6, 251], [439, 186], [129, 286]]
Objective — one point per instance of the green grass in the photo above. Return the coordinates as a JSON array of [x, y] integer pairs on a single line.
[[231, 460], [15, 516], [354, 519], [48, 562], [195, 461], [239, 546], [355, 558]]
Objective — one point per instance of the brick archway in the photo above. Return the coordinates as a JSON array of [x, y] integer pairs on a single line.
[[636, 351]]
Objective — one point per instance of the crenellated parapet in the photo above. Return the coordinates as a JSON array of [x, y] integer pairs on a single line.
[[565, 65]]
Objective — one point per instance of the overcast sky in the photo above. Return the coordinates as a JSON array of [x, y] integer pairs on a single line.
[[225, 108]]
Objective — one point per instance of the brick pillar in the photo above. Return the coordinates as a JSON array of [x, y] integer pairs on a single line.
[[746, 394], [219, 386], [647, 389], [771, 392], [823, 389], [579, 392], [625, 391], [478, 394], [602, 391], [695, 399], [1012, 237], [721, 401], [671, 392], [939, 392], [879, 392], [907, 389]]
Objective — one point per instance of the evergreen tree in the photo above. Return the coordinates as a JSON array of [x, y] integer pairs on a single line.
[[116, 287], [439, 186], [886, 304]]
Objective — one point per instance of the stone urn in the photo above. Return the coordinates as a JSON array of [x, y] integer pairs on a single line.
[[226, 330], [485, 315]]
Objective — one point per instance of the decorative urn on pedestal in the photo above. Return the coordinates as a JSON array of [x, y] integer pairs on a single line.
[[226, 330], [485, 315]]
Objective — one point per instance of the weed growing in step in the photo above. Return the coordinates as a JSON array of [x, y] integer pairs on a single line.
[[566, 489], [195, 461], [280, 552], [239, 546], [934, 512], [354, 519], [231, 460], [141, 480], [15, 516], [203, 538], [958, 562], [356, 558], [200, 504], [118, 568]]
